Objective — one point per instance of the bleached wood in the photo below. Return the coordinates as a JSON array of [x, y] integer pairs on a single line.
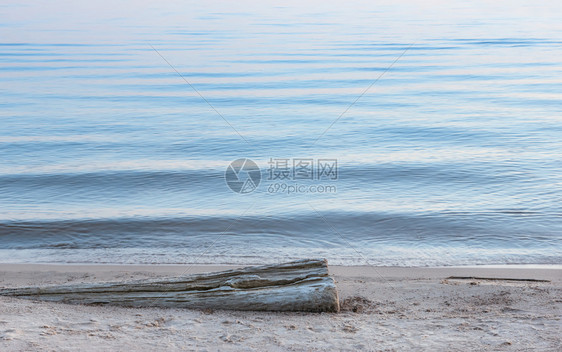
[[303, 285]]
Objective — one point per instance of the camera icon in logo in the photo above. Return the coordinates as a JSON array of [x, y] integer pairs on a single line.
[[242, 176]]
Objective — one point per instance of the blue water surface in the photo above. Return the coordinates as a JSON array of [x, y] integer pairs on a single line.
[[117, 123]]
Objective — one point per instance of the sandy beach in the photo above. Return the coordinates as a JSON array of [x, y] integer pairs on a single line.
[[383, 309]]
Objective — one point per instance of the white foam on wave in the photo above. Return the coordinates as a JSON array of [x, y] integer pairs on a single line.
[[381, 256]]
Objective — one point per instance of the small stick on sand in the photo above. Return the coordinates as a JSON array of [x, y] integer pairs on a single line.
[[492, 278]]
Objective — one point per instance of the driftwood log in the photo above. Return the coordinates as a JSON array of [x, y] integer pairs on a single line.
[[302, 285]]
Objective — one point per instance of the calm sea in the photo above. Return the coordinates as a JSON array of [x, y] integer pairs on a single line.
[[388, 134]]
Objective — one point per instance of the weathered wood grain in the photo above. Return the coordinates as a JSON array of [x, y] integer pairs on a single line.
[[303, 285]]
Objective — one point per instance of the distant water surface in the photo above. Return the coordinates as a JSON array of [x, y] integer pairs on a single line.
[[453, 156]]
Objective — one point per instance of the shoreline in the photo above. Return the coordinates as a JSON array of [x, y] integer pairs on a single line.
[[507, 266], [549, 272]]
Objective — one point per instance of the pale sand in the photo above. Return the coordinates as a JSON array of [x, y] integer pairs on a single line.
[[384, 309]]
